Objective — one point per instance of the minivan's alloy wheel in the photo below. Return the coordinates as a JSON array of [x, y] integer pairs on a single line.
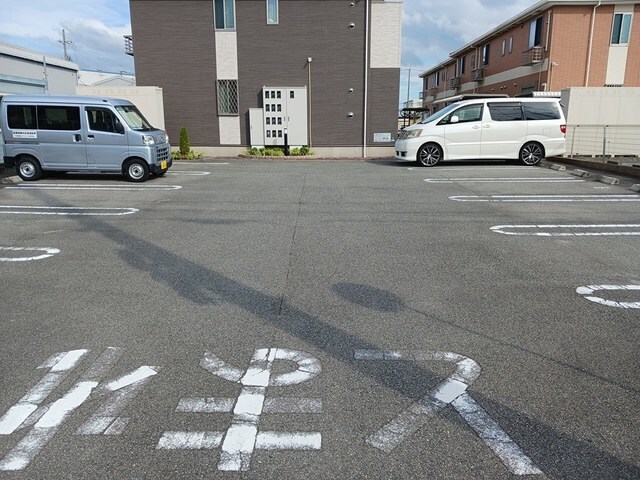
[[136, 170], [531, 153], [429, 155], [29, 169]]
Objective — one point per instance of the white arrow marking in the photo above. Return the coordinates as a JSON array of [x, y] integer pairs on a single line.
[[590, 289], [629, 227], [545, 198], [44, 210], [49, 252]]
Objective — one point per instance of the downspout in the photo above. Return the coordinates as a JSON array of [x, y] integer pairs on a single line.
[[593, 22], [366, 80]]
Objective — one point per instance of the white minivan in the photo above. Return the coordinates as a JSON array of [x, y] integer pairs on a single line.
[[525, 129], [74, 133]]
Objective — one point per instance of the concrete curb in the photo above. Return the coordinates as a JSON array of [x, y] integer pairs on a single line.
[[621, 169]]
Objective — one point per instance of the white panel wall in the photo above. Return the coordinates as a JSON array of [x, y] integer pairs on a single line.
[[227, 55], [149, 100], [229, 130], [386, 34]]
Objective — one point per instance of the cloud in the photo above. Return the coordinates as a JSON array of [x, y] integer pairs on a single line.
[[97, 44]]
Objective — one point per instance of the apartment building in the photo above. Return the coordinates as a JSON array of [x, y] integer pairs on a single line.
[[554, 44], [240, 73]]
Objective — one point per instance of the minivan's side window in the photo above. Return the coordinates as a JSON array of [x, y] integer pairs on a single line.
[[505, 112], [468, 113], [541, 111], [21, 116], [58, 118], [103, 120]]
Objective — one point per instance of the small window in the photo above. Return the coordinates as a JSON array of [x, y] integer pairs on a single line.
[[503, 49], [58, 118], [267, 107], [279, 133], [473, 61], [505, 112], [436, 79], [292, 94], [621, 28], [272, 12], [541, 110], [268, 133], [225, 14], [511, 44], [273, 120], [461, 62], [103, 120], [535, 32], [227, 97], [468, 113], [485, 54], [268, 120], [278, 94], [266, 94], [279, 120], [273, 133], [279, 107], [21, 116]]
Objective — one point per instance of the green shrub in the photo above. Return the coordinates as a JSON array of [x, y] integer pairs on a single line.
[[190, 155], [185, 147]]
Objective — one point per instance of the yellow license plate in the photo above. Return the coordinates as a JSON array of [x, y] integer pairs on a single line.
[[163, 164]]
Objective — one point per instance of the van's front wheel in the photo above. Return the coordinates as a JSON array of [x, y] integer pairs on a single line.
[[531, 153], [429, 155], [29, 169], [136, 170]]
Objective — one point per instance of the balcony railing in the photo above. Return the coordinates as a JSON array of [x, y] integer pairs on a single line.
[[128, 45], [532, 56], [456, 82]]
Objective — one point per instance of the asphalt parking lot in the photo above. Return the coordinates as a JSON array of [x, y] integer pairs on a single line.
[[321, 319]]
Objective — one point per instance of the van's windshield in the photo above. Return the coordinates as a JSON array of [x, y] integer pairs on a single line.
[[134, 118], [440, 113]]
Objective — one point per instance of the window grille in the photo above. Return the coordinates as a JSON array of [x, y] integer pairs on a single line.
[[227, 97]]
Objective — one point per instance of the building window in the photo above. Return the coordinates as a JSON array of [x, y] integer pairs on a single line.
[[621, 28], [511, 44], [225, 14], [485, 55], [272, 12], [503, 49], [436, 79], [461, 62], [473, 61], [227, 97], [535, 33]]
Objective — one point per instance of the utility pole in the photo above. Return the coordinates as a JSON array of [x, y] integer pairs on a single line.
[[64, 43]]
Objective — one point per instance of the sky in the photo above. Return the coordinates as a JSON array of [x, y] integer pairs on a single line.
[[431, 30]]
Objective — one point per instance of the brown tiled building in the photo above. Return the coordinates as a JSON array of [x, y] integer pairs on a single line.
[[552, 45], [240, 73]]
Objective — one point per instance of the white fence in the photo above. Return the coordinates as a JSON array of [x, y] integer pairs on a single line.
[[603, 140]]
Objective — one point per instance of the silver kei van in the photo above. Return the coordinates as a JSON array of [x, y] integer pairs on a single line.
[[74, 133]]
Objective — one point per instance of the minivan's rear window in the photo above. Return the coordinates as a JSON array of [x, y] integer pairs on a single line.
[[21, 116], [43, 117], [541, 111], [505, 112]]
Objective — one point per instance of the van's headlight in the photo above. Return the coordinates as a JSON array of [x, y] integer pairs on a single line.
[[148, 140], [413, 133]]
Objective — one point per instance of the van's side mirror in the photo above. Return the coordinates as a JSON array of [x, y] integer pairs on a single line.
[[454, 119]]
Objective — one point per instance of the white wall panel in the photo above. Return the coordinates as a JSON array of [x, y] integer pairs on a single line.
[[386, 35]]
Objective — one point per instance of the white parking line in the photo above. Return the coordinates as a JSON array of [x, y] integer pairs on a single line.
[[504, 180], [49, 252], [590, 289], [84, 186], [545, 198], [632, 229], [466, 168], [43, 210], [187, 173]]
